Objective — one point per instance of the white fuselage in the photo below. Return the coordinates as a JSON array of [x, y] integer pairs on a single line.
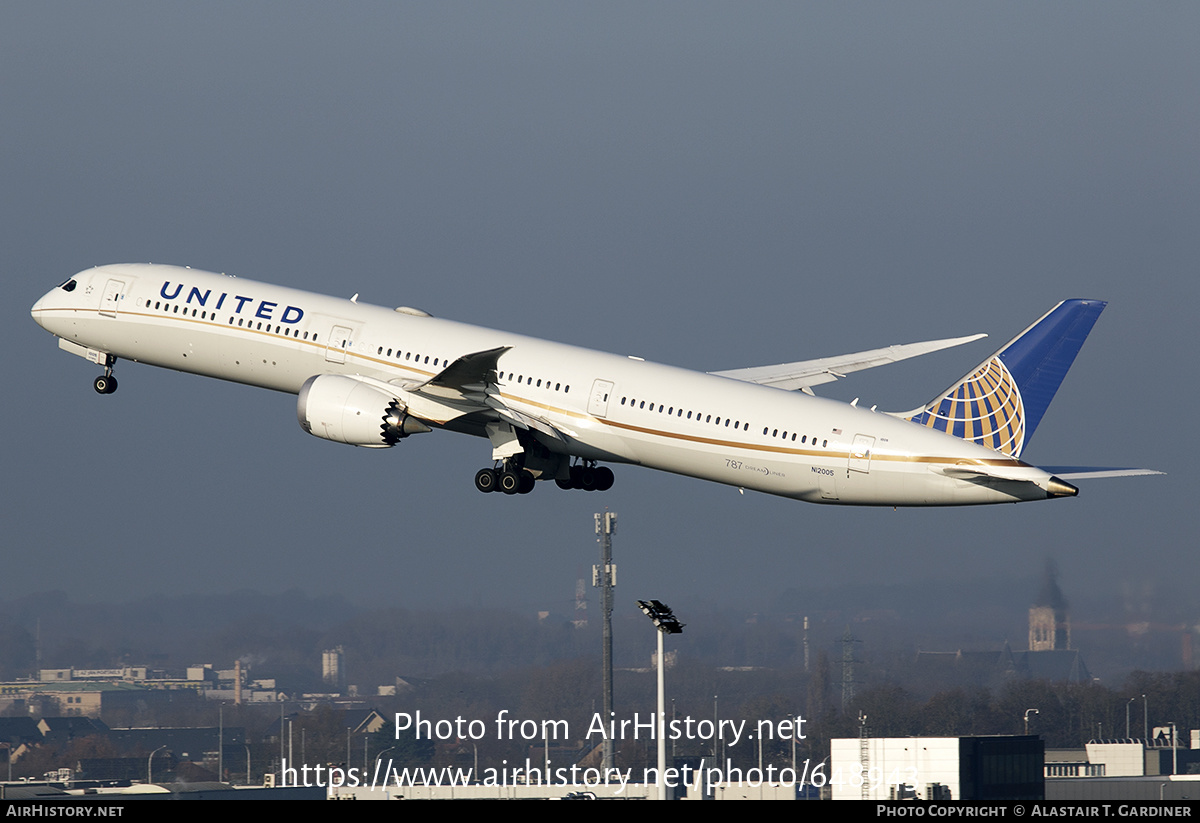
[[608, 407]]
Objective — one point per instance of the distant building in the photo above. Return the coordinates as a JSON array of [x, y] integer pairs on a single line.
[[1125, 769], [333, 669], [938, 768], [992, 669], [1049, 620], [1050, 656]]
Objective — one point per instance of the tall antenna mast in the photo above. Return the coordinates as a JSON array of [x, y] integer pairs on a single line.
[[604, 577]]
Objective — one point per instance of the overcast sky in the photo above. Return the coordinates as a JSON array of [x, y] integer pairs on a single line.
[[707, 185]]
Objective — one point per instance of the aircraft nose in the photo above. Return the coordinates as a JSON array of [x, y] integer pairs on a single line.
[[36, 311]]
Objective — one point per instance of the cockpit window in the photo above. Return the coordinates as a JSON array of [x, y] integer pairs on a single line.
[[69, 285]]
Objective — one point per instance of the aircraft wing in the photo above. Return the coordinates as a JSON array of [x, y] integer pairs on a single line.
[[528, 421], [807, 373], [467, 378], [469, 385]]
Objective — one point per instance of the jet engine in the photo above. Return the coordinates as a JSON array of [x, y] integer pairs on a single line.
[[348, 410]]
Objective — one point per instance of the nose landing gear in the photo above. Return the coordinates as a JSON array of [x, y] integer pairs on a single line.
[[106, 383]]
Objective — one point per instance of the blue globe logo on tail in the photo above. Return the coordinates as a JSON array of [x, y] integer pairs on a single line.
[[1000, 403], [985, 409]]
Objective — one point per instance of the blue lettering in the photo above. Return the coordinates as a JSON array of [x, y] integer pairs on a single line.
[[241, 302], [163, 290], [221, 299], [264, 309], [200, 298], [289, 317]]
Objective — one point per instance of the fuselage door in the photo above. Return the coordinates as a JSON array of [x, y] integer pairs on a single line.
[[598, 402], [339, 342], [111, 297], [860, 453]]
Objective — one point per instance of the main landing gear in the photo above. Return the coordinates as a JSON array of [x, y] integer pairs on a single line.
[[507, 479], [105, 383], [589, 477], [512, 479]]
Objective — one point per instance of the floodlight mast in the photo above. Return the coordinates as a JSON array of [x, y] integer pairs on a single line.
[[667, 623]]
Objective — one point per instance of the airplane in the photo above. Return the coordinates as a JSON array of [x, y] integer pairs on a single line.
[[371, 376]]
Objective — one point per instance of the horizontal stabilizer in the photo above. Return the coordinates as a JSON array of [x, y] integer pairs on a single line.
[[1052, 484], [807, 373], [1095, 472]]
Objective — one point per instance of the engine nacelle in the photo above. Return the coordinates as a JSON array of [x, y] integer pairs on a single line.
[[348, 410]]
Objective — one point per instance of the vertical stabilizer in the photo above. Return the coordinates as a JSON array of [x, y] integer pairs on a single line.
[[1000, 403]]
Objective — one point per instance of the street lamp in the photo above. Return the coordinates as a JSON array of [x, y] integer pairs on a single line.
[[150, 762], [667, 623], [1027, 713]]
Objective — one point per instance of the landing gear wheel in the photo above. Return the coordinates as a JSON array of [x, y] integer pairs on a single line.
[[485, 480], [510, 481], [105, 384], [587, 479], [563, 484], [604, 479], [527, 483]]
